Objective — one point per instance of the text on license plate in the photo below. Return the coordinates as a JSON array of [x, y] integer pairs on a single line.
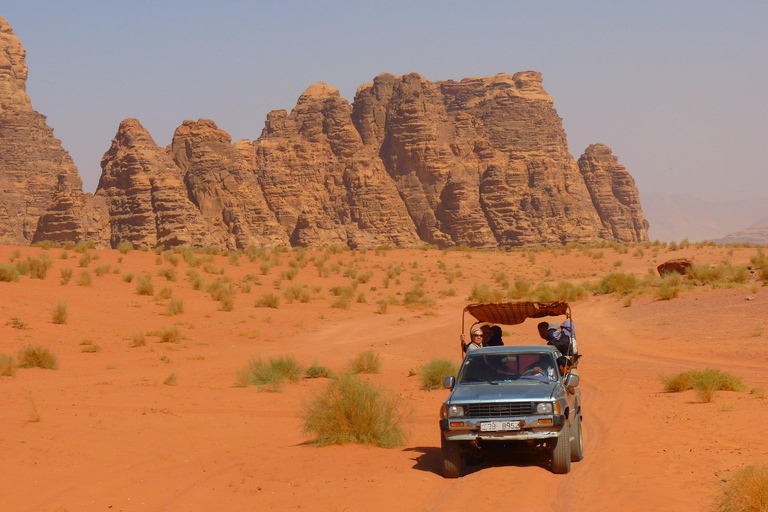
[[499, 426]]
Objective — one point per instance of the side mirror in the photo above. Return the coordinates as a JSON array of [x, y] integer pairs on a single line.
[[571, 381], [449, 382]]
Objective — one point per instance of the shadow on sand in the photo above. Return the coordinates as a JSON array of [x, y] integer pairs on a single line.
[[430, 459]]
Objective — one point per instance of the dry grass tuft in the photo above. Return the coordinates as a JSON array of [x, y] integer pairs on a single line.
[[433, 373], [172, 379], [351, 410], [270, 376], [35, 356], [60, 313], [7, 366], [745, 491], [366, 362], [704, 382]]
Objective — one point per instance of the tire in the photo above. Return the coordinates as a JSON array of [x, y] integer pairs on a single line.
[[451, 457], [561, 454], [577, 442]]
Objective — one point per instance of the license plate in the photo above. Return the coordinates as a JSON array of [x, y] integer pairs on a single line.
[[499, 426]]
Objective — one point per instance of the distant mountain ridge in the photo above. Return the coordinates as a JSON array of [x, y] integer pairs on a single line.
[[482, 162], [673, 217]]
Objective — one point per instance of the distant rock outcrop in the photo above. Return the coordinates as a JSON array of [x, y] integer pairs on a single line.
[[614, 194], [679, 265], [482, 162], [31, 158], [751, 235]]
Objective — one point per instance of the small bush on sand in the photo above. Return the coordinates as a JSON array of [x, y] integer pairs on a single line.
[[85, 279], [7, 366], [482, 293], [60, 313], [619, 283], [102, 270], [124, 247], [66, 276], [366, 362], [145, 286], [351, 410], [35, 356], [128, 277], [705, 382], [268, 300], [221, 290], [316, 372], [38, 267], [89, 346], [172, 379], [433, 373], [166, 292], [170, 335], [745, 491], [174, 307], [272, 375], [8, 273], [138, 339], [168, 273]]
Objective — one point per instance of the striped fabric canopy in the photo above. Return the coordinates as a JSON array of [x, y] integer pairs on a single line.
[[513, 313]]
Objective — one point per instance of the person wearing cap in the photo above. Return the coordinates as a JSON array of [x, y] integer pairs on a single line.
[[477, 337]]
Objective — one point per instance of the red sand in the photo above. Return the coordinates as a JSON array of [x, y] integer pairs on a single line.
[[112, 436]]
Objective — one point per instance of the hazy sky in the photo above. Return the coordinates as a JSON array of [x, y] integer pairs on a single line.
[[678, 90]]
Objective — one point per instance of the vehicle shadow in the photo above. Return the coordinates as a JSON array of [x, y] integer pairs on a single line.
[[430, 459], [475, 462]]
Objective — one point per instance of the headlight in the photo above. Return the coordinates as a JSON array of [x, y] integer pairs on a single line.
[[455, 410], [545, 408]]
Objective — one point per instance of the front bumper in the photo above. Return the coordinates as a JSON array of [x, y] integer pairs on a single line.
[[468, 429]]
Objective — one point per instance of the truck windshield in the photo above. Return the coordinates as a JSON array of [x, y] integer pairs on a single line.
[[508, 367]]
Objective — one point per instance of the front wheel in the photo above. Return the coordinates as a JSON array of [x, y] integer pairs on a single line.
[[577, 443], [451, 457], [561, 454]]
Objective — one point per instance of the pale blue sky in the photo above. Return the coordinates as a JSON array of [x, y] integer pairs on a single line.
[[678, 89]]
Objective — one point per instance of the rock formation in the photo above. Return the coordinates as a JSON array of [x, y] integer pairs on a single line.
[[679, 265], [146, 196], [482, 162], [614, 194], [31, 158]]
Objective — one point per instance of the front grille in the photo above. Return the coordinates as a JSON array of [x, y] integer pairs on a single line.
[[499, 409]]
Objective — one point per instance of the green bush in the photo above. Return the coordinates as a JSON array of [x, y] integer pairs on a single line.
[[433, 373], [272, 375], [60, 313], [35, 356], [316, 372], [483, 294], [366, 362], [704, 382], [351, 410], [617, 282], [745, 491]]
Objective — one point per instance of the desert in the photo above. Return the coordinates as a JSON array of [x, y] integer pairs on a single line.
[[166, 426]]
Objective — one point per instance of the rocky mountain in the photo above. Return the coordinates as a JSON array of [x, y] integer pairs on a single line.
[[750, 235], [482, 162]]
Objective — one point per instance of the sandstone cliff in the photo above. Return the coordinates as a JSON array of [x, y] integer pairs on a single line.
[[31, 158], [482, 162], [614, 194]]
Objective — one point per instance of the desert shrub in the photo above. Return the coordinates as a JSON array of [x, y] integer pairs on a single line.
[[7, 366], [417, 297], [128, 277], [351, 410], [382, 309], [268, 300], [361, 298], [366, 362], [316, 372], [18, 323], [138, 339], [165, 292], [171, 258], [35, 356], [9, 273], [448, 292], [433, 373], [745, 491], [168, 273], [364, 277], [483, 294], [38, 267], [85, 279], [101, 270], [194, 278], [84, 260], [66, 275], [89, 347], [125, 247], [341, 302], [343, 291], [172, 379], [174, 307], [60, 313], [271, 375], [668, 287], [617, 282], [293, 292], [145, 286], [704, 382], [170, 335]]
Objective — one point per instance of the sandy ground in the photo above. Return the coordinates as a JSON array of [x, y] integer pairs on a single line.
[[112, 436]]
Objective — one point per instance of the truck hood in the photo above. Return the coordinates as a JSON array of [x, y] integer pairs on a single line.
[[522, 390]]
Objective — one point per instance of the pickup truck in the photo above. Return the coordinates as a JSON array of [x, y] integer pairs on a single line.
[[512, 396]]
